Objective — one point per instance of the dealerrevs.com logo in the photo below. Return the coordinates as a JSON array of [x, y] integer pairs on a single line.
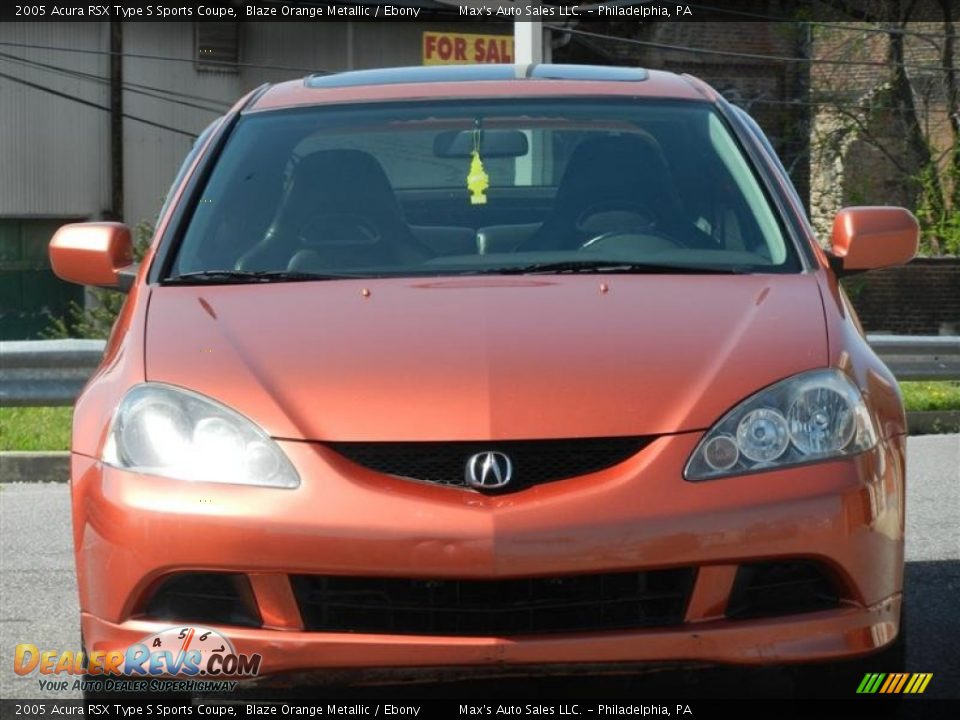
[[191, 653]]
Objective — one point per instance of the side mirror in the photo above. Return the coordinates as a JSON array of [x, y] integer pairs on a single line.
[[867, 238], [92, 254]]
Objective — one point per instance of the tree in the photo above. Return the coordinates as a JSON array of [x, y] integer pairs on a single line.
[[899, 118]]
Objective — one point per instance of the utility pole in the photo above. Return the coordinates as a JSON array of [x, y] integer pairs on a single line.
[[530, 44], [528, 49], [116, 120], [528, 39]]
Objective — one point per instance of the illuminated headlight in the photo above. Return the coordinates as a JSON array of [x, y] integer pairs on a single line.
[[813, 416], [163, 430]]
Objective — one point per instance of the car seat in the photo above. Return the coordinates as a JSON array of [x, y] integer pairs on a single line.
[[338, 212], [611, 184]]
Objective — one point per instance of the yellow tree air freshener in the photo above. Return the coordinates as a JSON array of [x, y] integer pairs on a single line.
[[477, 181]]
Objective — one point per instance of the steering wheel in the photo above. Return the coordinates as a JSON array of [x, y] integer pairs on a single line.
[[610, 215], [338, 229], [631, 223], [646, 241]]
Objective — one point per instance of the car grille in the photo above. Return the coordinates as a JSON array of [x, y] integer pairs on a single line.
[[534, 461], [565, 604]]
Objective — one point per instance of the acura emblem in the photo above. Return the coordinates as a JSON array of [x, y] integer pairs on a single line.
[[489, 470]]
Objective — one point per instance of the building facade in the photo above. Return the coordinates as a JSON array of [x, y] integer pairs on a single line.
[[55, 101]]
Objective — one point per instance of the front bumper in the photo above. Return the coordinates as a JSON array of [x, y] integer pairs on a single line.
[[132, 530]]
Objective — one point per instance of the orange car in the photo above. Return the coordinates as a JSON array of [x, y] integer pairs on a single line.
[[495, 369]]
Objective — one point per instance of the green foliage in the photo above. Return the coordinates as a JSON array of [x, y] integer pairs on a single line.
[[939, 225], [947, 231], [931, 395], [97, 320], [35, 428], [854, 286], [857, 195]]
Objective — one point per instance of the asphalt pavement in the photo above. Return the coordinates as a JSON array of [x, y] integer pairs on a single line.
[[38, 602]]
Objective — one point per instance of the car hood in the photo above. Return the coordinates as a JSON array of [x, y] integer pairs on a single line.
[[486, 357]]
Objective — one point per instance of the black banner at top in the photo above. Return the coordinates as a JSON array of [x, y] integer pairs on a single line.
[[548, 11]]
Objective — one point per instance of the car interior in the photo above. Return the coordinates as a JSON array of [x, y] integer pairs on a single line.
[[384, 197]]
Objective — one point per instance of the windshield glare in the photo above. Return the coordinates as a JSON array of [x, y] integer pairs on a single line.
[[458, 188]]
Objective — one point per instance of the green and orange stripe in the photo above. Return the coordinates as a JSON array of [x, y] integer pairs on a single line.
[[894, 683]]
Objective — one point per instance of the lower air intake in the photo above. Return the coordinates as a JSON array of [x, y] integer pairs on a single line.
[[565, 604], [219, 598], [781, 588]]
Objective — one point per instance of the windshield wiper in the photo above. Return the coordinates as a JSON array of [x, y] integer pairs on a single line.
[[238, 277], [608, 266]]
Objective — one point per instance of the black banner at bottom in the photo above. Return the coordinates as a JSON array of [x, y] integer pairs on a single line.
[[219, 709]]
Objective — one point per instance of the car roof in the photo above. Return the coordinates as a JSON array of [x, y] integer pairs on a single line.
[[479, 81]]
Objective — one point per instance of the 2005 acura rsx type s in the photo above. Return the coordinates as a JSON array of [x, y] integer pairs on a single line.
[[494, 368]]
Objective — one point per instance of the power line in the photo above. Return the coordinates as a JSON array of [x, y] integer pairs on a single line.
[[867, 107], [145, 90], [735, 83], [819, 23], [97, 106], [749, 56], [224, 105], [167, 58], [218, 105], [732, 81]]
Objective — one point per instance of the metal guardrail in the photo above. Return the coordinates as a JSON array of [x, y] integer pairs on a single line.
[[919, 357], [46, 372], [52, 372]]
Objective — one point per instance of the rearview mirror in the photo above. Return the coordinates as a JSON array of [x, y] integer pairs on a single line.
[[91, 253], [493, 144], [867, 238]]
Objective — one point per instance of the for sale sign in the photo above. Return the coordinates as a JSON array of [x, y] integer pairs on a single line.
[[441, 48]]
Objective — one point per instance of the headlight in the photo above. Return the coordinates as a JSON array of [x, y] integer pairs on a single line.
[[813, 416], [163, 430]]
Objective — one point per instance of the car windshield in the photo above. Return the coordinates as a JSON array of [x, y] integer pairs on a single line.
[[478, 187]]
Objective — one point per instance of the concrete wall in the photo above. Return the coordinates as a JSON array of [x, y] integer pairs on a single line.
[[269, 52], [55, 153]]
